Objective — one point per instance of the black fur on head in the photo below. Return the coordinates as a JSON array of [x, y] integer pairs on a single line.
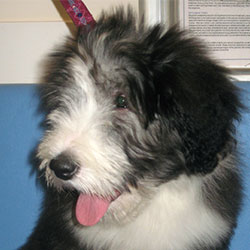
[[197, 96]]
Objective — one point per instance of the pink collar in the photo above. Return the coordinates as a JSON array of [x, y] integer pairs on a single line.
[[78, 12]]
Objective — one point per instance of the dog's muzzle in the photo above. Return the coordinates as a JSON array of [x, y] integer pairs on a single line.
[[63, 166]]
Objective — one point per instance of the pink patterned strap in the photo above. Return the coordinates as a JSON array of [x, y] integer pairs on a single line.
[[78, 12]]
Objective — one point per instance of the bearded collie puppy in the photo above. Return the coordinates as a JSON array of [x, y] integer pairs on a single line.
[[139, 151]]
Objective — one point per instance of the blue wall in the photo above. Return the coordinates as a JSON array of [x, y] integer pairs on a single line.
[[20, 192], [241, 240], [19, 134]]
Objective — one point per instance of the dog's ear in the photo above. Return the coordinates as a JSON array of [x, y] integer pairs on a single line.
[[196, 97]]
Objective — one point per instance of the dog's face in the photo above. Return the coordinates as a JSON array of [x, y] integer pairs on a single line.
[[130, 109]]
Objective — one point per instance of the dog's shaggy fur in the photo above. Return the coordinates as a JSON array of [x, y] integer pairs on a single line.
[[140, 119]]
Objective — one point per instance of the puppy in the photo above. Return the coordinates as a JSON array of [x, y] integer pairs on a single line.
[[139, 151]]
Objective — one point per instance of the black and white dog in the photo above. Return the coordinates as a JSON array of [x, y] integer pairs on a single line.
[[139, 152]]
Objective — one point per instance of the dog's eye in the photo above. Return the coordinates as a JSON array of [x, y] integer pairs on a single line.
[[121, 102]]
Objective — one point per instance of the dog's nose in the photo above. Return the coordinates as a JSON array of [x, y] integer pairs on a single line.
[[63, 166]]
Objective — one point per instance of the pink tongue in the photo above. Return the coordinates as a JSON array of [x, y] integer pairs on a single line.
[[90, 209]]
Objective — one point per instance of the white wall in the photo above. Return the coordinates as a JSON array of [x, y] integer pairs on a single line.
[[29, 29]]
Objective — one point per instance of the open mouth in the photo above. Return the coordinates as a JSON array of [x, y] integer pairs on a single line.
[[91, 208]]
